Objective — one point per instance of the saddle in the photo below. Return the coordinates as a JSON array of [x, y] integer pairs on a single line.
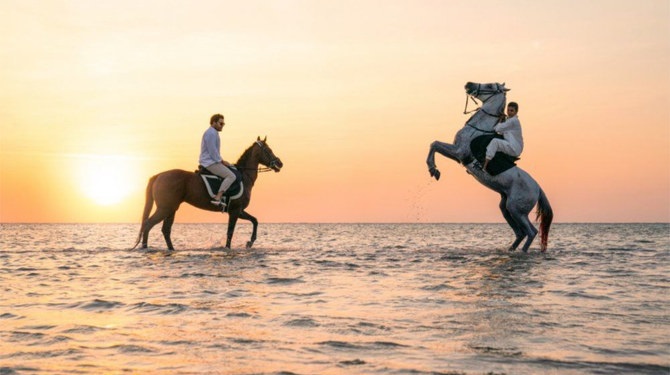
[[500, 162], [213, 183]]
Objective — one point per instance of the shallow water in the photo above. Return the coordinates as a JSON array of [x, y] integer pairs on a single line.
[[335, 299]]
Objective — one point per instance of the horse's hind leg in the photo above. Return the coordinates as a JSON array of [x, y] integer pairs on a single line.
[[518, 231], [167, 229], [154, 219], [527, 227]]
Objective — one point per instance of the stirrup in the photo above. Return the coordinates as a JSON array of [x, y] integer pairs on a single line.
[[218, 203]]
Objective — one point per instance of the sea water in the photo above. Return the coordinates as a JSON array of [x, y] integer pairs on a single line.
[[334, 299]]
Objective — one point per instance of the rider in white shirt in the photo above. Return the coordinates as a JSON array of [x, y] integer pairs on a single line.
[[512, 144], [210, 156]]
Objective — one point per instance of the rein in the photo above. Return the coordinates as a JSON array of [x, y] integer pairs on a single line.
[[481, 130], [476, 92], [261, 169], [467, 99]]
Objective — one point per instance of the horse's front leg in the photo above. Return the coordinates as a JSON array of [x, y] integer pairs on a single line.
[[232, 220], [451, 151], [244, 215]]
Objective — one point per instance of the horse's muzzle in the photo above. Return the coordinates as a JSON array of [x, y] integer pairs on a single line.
[[470, 88], [276, 165]]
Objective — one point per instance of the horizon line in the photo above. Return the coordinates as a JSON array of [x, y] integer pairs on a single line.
[[341, 222]]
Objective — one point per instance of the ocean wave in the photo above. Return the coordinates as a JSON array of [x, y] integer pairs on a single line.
[[163, 309], [284, 280], [363, 346], [302, 323], [598, 367], [98, 305]]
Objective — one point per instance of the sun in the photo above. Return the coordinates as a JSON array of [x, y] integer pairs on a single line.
[[106, 180]]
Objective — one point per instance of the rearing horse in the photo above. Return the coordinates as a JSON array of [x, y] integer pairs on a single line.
[[518, 190], [170, 188]]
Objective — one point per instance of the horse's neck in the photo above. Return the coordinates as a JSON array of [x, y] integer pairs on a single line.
[[249, 170], [482, 121], [487, 116]]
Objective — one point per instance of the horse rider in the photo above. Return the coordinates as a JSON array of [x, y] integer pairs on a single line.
[[210, 156], [510, 129]]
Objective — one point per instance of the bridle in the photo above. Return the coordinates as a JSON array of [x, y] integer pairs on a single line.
[[266, 152], [482, 91], [269, 155]]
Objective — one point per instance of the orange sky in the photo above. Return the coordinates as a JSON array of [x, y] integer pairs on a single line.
[[350, 95]]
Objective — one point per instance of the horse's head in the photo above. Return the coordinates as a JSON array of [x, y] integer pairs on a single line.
[[267, 157], [483, 91], [492, 95]]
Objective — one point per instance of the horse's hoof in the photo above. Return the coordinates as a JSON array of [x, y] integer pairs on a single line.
[[249, 244], [434, 173]]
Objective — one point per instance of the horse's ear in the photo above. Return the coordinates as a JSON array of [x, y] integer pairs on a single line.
[[504, 88], [259, 138], [265, 139]]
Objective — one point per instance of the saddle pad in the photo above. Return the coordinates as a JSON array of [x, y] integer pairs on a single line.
[[500, 162], [213, 183]]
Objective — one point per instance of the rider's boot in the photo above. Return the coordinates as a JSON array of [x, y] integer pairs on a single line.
[[486, 164]]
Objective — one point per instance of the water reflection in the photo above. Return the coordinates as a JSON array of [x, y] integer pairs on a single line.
[[501, 285]]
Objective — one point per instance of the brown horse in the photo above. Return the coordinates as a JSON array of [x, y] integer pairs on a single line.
[[170, 188]]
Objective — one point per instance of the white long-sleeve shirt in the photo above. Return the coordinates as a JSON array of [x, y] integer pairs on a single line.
[[511, 131], [210, 148]]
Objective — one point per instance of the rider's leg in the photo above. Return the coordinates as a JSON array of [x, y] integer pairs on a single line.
[[228, 178], [497, 145]]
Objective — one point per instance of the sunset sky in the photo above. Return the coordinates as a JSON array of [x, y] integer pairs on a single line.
[[96, 97]]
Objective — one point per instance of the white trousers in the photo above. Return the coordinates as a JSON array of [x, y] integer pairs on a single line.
[[223, 172], [501, 145]]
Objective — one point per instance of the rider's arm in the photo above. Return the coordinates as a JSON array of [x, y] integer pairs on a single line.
[[506, 125]]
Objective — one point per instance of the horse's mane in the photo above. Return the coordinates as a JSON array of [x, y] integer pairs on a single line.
[[245, 155]]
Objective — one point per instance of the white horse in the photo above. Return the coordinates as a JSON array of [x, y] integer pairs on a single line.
[[518, 190]]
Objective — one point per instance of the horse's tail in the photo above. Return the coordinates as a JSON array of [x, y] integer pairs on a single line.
[[148, 205], [545, 214]]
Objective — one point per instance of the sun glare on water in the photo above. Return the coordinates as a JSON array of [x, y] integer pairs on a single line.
[[106, 180]]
